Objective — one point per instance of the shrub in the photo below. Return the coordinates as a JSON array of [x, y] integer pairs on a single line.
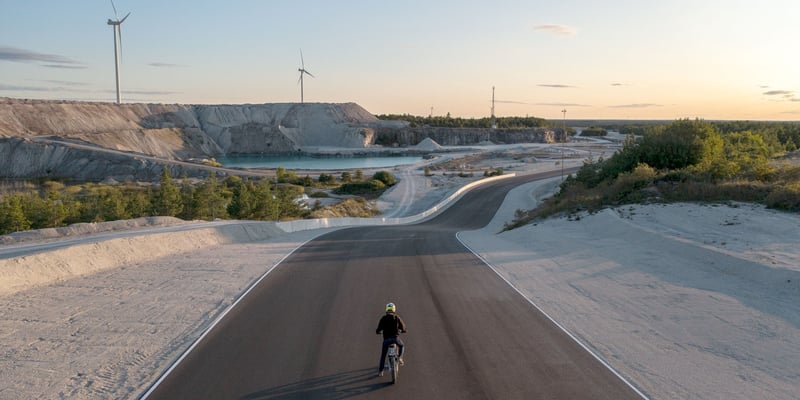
[[385, 177], [785, 198], [627, 187], [376, 184], [372, 188], [594, 131]]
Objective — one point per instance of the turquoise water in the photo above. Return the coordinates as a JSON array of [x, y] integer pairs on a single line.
[[316, 163]]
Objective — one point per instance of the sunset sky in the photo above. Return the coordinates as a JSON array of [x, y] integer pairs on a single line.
[[710, 59]]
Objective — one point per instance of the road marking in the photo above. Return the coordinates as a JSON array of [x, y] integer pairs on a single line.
[[585, 347], [216, 321]]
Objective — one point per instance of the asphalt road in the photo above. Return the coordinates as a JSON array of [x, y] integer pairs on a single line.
[[307, 331]]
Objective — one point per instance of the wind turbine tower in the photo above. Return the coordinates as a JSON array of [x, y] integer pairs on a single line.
[[303, 71], [494, 124], [117, 25]]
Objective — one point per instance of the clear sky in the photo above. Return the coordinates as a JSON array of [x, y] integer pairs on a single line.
[[636, 59]]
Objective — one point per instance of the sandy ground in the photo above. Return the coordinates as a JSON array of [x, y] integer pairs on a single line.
[[686, 301]]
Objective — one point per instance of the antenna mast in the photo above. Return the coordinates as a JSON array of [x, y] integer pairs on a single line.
[[494, 124]]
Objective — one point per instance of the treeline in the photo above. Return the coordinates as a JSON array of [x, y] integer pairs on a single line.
[[684, 161], [594, 131], [779, 136], [449, 122], [53, 204]]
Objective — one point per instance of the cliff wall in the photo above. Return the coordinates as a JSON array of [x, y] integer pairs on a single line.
[[393, 136], [96, 141]]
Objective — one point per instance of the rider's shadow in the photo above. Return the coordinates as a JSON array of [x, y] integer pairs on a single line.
[[331, 387]]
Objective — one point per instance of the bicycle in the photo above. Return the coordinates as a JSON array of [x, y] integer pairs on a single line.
[[393, 362]]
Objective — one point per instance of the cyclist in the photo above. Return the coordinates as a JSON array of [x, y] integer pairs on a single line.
[[391, 325]]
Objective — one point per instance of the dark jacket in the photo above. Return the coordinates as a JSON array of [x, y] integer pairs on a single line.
[[391, 325]]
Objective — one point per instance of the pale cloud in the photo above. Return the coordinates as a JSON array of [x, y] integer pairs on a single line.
[[563, 104], [782, 95], [778, 92], [4, 87], [554, 85], [165, 65], [13, 54], [637, 105], [63, 66], [65, 83], [64, 87], [509, 102], [561, 30], [145, 92]]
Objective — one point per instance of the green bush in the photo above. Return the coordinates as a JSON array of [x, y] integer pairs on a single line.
[[361, 188], [594, 131], [683, 161], [785, 198], [385, 177]]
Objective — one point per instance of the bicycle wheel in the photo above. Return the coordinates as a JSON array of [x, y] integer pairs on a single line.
[[393, 366]]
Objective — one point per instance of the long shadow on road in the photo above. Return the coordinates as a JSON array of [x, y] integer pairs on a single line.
[[330, 387]]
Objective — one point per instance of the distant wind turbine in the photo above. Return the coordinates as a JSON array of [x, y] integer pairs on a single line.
[[303, 71], [117, 25]]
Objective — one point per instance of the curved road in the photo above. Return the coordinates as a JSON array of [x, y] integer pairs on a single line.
[[307, 331]]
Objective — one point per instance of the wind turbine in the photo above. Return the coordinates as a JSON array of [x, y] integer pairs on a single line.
[[117, 25], [303, 71]]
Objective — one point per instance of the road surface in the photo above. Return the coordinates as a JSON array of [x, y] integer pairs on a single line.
[[308, 329]]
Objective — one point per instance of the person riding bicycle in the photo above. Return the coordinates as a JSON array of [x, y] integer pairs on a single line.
[[391, 325]]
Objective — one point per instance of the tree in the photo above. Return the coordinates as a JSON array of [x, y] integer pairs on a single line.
[[12, 217], [187, 199], [167, 201], [681, 144], [243, 201], [385, 177], [209, 199], [750, 153], [265, 205], [139, 202], [287, 205]]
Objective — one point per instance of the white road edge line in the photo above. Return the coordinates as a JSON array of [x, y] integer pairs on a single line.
[[216, 321], [573, 337]]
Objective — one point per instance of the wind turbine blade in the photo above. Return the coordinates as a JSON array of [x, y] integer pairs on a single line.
[[124, 18], [115, 10], [302, 64], [120, 37], [309, 73]]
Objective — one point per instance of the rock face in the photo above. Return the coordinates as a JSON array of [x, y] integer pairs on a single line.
[[103, 134], [192, 131], [391, 136], [95, 141]]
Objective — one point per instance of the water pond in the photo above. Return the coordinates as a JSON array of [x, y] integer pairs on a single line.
[[316, 163]]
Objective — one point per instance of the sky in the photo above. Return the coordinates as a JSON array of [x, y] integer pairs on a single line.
[[600, 59]]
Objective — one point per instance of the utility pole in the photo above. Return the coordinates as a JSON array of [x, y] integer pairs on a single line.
[[564, 139], [494, 124]]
